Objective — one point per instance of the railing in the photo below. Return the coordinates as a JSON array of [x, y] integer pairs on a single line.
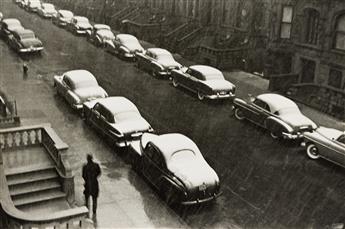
[[16, 138], [143, 31], [8, 113]]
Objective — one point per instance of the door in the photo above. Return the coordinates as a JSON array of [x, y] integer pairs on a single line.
[[95, 116], [307, 71], [260, 112], [152, 164]]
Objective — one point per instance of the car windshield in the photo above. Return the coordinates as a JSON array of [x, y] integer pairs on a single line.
[[288, 110], [127, 115], [28, 35]]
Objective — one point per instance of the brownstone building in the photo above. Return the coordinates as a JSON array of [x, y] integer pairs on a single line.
[[307, 50]]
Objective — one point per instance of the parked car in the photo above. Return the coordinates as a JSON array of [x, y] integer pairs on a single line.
[[25, 41], [117, 118], [23, 3], [204, 80], [8, 25], [79, 25], [157, 61], [99, 34], [174, 165], [77, 87], [62, 18], [47, 10], [124, 45], [325, 143], [280, 115], [33, 5]]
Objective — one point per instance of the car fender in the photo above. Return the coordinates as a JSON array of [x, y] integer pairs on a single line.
[[72, 98], [239, 103], [276, 125], [156, 66], [166, 181]]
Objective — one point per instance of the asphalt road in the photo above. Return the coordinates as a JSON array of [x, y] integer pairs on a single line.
[[265, 183]]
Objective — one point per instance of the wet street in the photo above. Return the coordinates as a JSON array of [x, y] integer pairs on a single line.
[[265, 183]]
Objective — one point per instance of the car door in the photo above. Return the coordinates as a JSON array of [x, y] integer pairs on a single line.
[[148, 60], [65, 89], [334, 151], [95, 116], [258, 112], [187, 78], [117, 44], [153, 162]]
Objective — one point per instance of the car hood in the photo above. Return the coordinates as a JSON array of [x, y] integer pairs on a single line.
[[85, 25], [324, 132], [219, 85], [133, 47], [90, 93], [49, 11], [298, 120], [132, 126], [170, 64], [27, 43], [194, 173]]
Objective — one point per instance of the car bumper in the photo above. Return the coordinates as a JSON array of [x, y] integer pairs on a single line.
[[81, 32], [34, 49], [292, 136], [129, 55], [77, 106], [219, 96], [199, 201]]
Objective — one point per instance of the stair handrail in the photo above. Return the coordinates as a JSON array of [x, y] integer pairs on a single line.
[[171, 33]]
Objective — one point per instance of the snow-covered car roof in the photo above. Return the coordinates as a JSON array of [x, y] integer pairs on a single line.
[[101, 27], [81, 18], [81, 78], [118, 104], [208, 71], [11, 21], [66, 13], [277, 102], [159, 51]]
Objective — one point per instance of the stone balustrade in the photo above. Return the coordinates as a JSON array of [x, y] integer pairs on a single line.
[[17, 138]]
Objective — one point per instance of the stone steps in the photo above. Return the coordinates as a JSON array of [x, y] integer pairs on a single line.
[[33, 185]]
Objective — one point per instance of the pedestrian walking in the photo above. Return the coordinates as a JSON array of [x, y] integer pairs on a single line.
[[91, 172], [25, 68]]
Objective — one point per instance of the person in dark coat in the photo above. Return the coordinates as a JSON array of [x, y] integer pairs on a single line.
[[91, 171]]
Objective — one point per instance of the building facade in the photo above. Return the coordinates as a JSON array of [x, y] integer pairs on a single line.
[[307, 40]]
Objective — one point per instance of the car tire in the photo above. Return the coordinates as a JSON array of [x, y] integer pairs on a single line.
[[239, 114], [201, 96], [274, 135], [174, 82], [154, 74], [312, 151]]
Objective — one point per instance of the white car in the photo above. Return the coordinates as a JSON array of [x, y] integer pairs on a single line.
[[33, 5], [62, 18], [79, 25], [157, 61], [100, 34], [47, 10], [124, 45], [280, 115], [205, 81], [117, 118], [77, 87]]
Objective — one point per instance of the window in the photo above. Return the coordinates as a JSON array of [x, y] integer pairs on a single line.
[[341, 139], [340, 33], [225, 16], [286, 22], [312, 26], [261, 104], [335, 78]]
